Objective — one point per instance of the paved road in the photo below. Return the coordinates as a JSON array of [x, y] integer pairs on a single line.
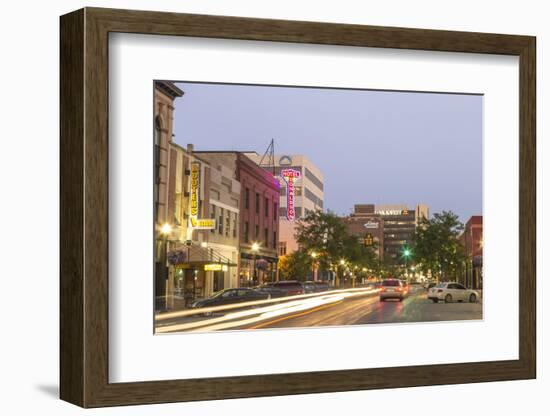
[[347, 307], [369, 310]]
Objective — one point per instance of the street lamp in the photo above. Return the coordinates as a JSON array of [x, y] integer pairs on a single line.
[[342, 263], [255, 249], [407, 254], [313, 257], [165, 231]]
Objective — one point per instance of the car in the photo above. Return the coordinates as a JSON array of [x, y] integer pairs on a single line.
[[309, 287], [430, 285], [452, 292], [272, 291], [392, 289], [321, 286], [291, 287], [230, 296]]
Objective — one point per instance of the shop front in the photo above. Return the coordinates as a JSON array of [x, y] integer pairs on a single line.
[[197, 273], [256, 269]]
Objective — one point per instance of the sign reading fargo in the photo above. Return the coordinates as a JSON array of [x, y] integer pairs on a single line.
[[196, 222]]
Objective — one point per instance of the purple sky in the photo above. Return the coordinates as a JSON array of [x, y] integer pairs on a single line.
[[371, 146]]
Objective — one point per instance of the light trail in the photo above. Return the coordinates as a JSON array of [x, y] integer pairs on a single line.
[[268, 312], [198, 311]]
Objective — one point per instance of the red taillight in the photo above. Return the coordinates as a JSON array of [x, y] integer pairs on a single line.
[[439, 290]]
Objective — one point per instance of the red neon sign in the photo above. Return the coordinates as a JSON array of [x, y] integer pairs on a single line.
[[290, 176]]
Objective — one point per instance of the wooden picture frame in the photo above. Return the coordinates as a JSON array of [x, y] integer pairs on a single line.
[[84, 207]]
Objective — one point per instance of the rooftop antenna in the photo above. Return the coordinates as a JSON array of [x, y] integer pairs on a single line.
[[268, 159]]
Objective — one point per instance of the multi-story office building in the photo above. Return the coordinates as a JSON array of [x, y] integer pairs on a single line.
[[399, 225], [365, 224], [301, 191]]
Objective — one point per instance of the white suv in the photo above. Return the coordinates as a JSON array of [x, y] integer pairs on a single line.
[[452, 292]]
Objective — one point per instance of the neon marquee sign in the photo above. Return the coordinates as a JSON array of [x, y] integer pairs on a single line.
[[290, 176]]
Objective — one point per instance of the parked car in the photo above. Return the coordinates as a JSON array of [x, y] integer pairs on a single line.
[[229, 296], [272, 291], [291, 287], [321, 286], [430, 285], [309, 287], [452, 292], [392, 289]]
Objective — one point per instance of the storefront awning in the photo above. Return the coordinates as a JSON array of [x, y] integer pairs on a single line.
[[251, 256], [196, 256]]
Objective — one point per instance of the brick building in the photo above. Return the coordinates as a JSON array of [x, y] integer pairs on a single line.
[[472, 240], [258, 215]]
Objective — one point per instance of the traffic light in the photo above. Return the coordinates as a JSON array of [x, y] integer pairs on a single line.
[[368, 240]]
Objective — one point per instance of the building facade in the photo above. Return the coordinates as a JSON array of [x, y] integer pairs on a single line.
[[164, 95], [196, 216], [472, 240], [301, 191], [258, 225], [398, 226], [365, 224]]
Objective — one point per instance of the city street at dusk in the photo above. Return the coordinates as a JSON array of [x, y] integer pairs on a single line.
[[333, 308]]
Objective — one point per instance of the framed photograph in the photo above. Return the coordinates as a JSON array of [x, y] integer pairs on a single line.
[[254, 207]]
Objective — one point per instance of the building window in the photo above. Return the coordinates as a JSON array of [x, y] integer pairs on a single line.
[[246, 198], [282, 248], [246, 233], [213, 216], [257, 232], [266, 207], [220, 222], [274, 239], [227, 223], [275, 211], [313, 198], [257, 203], [314, 179], [235, 226], [266, 237]]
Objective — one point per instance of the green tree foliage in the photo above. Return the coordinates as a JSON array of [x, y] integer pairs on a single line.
[[295, 265], [437, 248], [326, 235]]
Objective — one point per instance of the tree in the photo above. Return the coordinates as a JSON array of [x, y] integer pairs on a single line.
[[437, 248], [326, 235], [294, 266]]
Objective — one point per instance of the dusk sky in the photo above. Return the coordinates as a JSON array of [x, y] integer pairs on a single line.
[[371, 146]]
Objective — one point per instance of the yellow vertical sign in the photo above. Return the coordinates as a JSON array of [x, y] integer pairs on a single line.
[[195, 189]]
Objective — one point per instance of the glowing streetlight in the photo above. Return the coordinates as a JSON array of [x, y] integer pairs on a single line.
[[166, 229], [313, 255], [204, 244], [342, 262], [255, 246]]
